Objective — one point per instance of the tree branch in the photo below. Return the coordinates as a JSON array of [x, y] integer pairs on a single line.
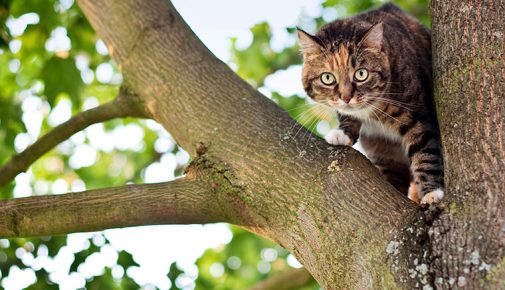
[[120, 107], [328, 205], [290, 280], [182, 201]]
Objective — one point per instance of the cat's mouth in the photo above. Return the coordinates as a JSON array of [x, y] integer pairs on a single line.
[[351, 106], [359, 109]]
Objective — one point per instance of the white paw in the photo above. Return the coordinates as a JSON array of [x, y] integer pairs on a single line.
[[433, 197], [337, 137]]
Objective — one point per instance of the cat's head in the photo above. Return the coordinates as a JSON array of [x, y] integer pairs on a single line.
[[345, 68]]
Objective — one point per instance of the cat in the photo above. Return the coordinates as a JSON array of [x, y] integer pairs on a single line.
[[374, 70]]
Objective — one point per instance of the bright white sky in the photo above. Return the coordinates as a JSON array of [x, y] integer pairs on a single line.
[[153, 247], [216, 21]]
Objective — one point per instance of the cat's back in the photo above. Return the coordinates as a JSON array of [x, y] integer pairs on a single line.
[[399, 27]]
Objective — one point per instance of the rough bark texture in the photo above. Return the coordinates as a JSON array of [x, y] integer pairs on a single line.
[[183, 201], [325, 204], [468, 239]]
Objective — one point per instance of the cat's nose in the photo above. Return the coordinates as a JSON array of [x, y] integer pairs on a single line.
[[347, 98]]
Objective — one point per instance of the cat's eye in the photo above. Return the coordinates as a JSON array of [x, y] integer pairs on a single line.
[[328, 78], [361, 74]]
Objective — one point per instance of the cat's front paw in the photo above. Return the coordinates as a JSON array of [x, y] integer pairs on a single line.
[[337, 137], [434, 196]]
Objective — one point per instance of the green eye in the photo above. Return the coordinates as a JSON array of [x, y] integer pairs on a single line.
[[361, 74], [328, 78]]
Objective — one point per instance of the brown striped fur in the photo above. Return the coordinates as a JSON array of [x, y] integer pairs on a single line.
[[392, 110]]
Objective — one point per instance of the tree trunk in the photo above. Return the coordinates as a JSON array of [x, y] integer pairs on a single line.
[[467, 239], [327, 205]]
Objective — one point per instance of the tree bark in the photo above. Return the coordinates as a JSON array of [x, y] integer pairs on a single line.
[[182, 201], [468, 237]]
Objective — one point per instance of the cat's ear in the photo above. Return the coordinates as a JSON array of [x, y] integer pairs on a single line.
[[309, 44], [373, 37]]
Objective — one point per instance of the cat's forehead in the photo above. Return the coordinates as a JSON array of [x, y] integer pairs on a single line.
[[339, 58], [342, 32], [340, 46]]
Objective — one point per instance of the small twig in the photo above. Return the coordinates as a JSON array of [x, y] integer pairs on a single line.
[[290, 280], [120, 107]]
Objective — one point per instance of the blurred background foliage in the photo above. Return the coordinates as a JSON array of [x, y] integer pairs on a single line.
[[54, 64]]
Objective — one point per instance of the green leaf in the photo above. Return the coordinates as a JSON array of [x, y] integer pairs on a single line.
[[4, 13], [60, 75], [126, 260], [173, 273]]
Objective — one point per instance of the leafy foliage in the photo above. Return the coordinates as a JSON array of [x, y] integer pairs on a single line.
[[246, 260], [259, 60], [60, 75], [39, 77]]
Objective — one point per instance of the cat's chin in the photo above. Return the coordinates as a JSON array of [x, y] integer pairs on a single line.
[[361, 112]]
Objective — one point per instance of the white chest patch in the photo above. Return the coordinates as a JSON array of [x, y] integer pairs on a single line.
[[374, 128], [371, 127], [361, 115]]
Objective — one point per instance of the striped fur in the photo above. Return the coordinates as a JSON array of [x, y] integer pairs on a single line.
[[392, 111]]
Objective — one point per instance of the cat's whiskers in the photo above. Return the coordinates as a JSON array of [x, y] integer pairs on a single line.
[[293, 122], [386, 114], [397, 103], [309, 131], [376, 116], [386, 101], [297, 107], [301, 119], [319, 110], [305, 117], [320, 113]]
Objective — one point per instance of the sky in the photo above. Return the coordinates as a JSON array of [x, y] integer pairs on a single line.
[[214, 22]]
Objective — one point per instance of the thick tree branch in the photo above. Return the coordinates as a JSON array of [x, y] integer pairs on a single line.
[[120, 107], [290, 280], [327, 205], [182, 201]]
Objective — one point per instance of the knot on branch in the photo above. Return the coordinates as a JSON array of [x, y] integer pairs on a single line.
[[131, 103], [201, 148], [227, 188], [206, 167], [14, 219]]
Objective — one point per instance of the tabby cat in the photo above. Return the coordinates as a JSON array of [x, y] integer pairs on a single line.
[[374, 69]]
